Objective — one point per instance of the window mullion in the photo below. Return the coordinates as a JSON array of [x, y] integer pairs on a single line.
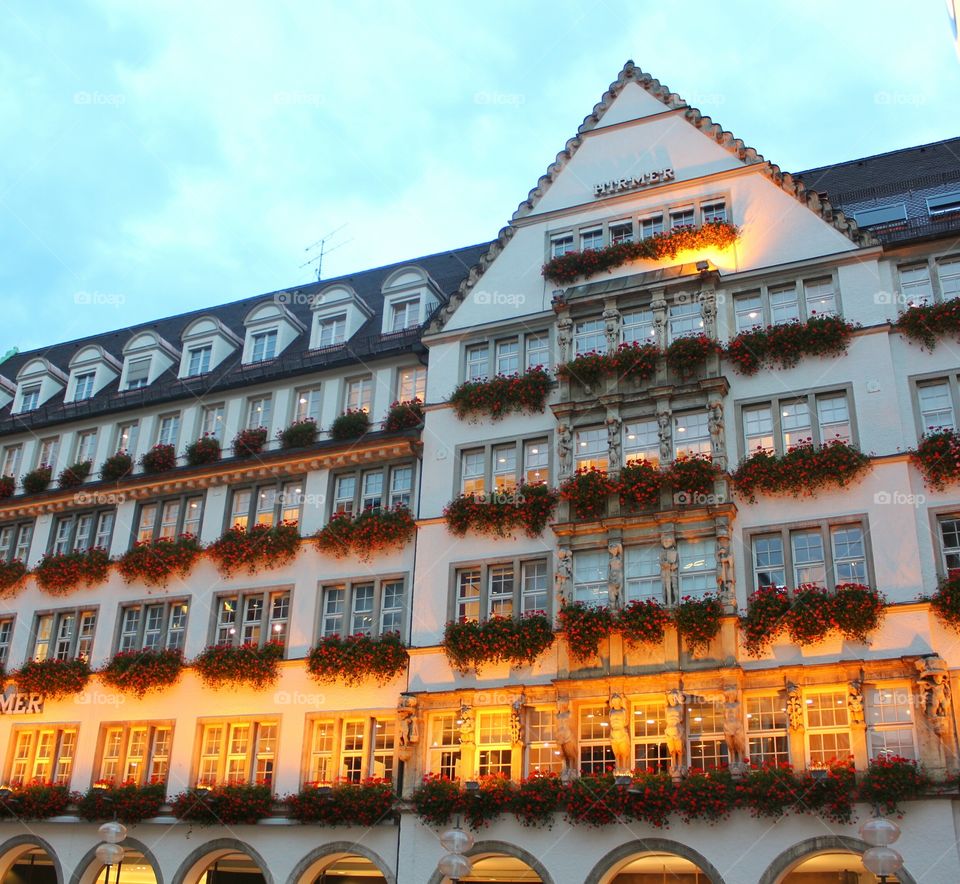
[[788, 568], [484, 614], [830, 575], [377, 607], [813, 408], [778, 446]]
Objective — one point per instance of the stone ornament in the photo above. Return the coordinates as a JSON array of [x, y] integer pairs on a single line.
[[674, 731], [665, 434], [564, 450], [611, 325], [933, 682], [794, 707], [615, 572], [733, 732], [669, 564], [467, 724], [564, 337], [726, 582], [620, 741], [715, 426], [614, 444], [567, 742], [408, 727], [855, 701], [516, 721], [708, 312], [563, 578]]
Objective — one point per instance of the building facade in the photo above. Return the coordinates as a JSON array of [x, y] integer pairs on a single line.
[[655, 512]]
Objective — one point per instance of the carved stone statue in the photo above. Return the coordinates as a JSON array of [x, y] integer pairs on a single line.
[[614, 444], [708, 312], [615, 572], [563, 579], [567, 742], [674, 732], [715, 426], [794, 707], [666, 437], [564, 337], [516, 720], [733, 732], [855, 701], [669, 563], [408, 728], [611, 325], [564, 450], [467, 724], [933, 682], [725, 574], [620, 735], [658, 307]]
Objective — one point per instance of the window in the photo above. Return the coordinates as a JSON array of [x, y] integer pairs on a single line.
[[768, 564], [508, 356], [784, 304], [364, 749], [591, 239], [238, 752], [445, 745], [150, 626], [169, 431], [358, 395], [79, 532], [137, 754], [127, 435], [534, 577], [590, 577], [538, 349], [47, 450], [411, 384], [828, 730], [543, 756], [138, 373], [637, 327], [259, 412], [84, 386], [808, 558], [267, 504], [86, 445], [263, 346], [710, 213], [650, 226], [915, 285], [30, 398], [950, 543], [949, 273], [369, 607], [6, 634], [589, 336], [373, 489], [307, 405], [211, 423], [509, 465], [561, 245], [501, 589], [198, 360], [404, 314], [767, 740], [15, 541], [824, 555], [650, 751], [333, 330], [596, 755], [784, 423], [834, 417], [473, 471], [936, 406], [535, 462], [758, 429], [591, 451], [494, 743], [795, 423], [943, 204], [64, 635], [890, 722], [748, 311], [642, 576], [881, 215], [477, 367], [697, 567], [849, 557], [468, 595], [621, 231], [252, 618], [168, 519], [820, 297], [685, 320], [12, 458], [504, 468], [681, 217], [691, 434], [43, 754], [705, 740]]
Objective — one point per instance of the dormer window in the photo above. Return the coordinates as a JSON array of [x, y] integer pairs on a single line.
[[31, 398], [409, 297], [271, 329], [138, 373], [91, 369], [84, 388], [198, 360], [405, 314], [332, 330], [206, 343], [339, 313], [264, 346]]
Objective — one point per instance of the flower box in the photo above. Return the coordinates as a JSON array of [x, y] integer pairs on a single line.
[[765, 618], [687, 354], [159, 459], [784, 345], [404, 416], [890, 780], [300, 434], [62, 573], [640, 484], [584, 627], [234, 665], [937, 457], [692, 477], [630, 360], [357, 659], [37, 480], [698, 621], [52, 677], [925, 324], [224, 805], [642, 622], [946, 601], [205, 450], [74, 475], [126, 802], [502, 395], [36, 801], [262, 548], [352, 424], [587, 491], [12, 576], [249, 442], [8, 484], [470, 644], [529, 508], [158, 562], [116, 467], [138, 672], [344, 804], [371, 532]]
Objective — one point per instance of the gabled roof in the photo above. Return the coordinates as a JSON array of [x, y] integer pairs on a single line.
[[671, 101]]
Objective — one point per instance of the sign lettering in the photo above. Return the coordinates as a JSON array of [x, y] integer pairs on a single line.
[[619, 185], [21, 704]]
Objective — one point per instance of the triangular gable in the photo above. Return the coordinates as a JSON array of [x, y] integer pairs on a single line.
[[608, 112]]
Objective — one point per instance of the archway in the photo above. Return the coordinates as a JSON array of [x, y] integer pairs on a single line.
[[830, 858], [27, 859], [139, 866], [651, 861], [341, 861], [498, 861], [224, 861]]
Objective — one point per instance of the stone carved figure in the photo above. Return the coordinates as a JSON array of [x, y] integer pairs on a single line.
[[733, 733], [715, 427], [615, 572], [725, 575], [933, 681], [855, 701], [611, 325], [614, 444], [516, 720], [666, 437], [564, 337], [794, 707], [708, 312], [669, 564], [563, 579], [658, 306], [674, 730], [620, 741], [564, 450], [408, 728], [467, 724], [567, 742]]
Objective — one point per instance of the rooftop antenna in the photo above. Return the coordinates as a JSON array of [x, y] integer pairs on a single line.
[[322, 243]]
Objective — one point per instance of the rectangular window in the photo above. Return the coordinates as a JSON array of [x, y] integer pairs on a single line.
[[697, 567], [820, 297], [936, 406], [748, 311], [198, 360], [681, 217], [642, 573], [767, 740], [508, 356], [375, 607], [152, 626], [169, 518], [596, 755], [127, 435], [404, 314], [685, 319], [784, 304], [47, 450], [64, 635], [834, 418], [359, 394], [12, 457], [591, 239], [478, 366], [590, 577], [758, 428], [320, 771], [212, 421], [589, 336], [169, 429], [333, 609], [263, 618], [591, 452], [641, 441], [6, 633], [950, 543], [267, 504], [43, 754], [915, 285], [411, 384], [500, 590], [881, 215], [890, 729], [361, 620], [509, 466], [849, 556], [237, 752], [505, 468], [84, 386], [534, 588], [307, 404], [828, 728], [494, 744], [536, 462], [637, 327], [949, 273], [561, 245], [391, 607], [538, 350], [263, 346], [543, 756], [332, 330], [650, 226], [138, 754], [710, 213], [138, 373], [650, 750], [79, 532], [30, 398], [691, 434], [621, 231], [808, 561], [708, 748], [259, 412], [768, 564], [445, 745], [794, 423], [15, 541], [943, 204], [468, 595]]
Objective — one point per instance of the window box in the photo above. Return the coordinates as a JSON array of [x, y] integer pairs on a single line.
[[344, 804], [946, 601], [891, 779], [529, 508], [698, 620], [692, 478], [116, 467], [299, 434], [686, 354], [233, 665], [205, 450], [53, 678], [937, 457], [587, 492], [37, 480], [352, 424], [502, 394], [925, 324], [471, 644], [629, 360], [12, 575], [767, 610], [640, 483], [62, 573], [159, 459], [157, 562], [249, 442], [784, 345], [38, 801], [137, 672], [373, 531], [407, 415], [263, 547], [129, 803], [75, 475], [8, 485], [224, 805], [643, 622], [584, 626], [357, 659]]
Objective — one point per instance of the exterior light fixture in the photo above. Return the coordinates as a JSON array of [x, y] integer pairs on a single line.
[[880, 858]]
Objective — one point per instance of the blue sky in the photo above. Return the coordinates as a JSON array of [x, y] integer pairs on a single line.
[[163, 156]]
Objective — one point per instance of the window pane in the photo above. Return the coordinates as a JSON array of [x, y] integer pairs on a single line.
[[834, 418], [768, 561], [590, 337], [808, 561], [749, 311], [758, 428], [936, 406], [590, 577], [795, 423], [784, 306]]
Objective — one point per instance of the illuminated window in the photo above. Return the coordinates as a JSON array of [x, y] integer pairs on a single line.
[[890, 727], [42, 754], [137, 754], [211, 423], [267, 504], [445, 745], [152, 626], [237, 752], [505, 468], [501, 589], [748, 311], [411, 384], [127, 435], [641, 441], [596, 755], [591, 450], [691, 434], [535, 462], [767, 740], [828, 728], [253, 618], [650, 751], [307, 402], [375, 607], [169, 518], [64, 635], [697, 566], [468, 595], [705, 740], [494, 744], [259, 412], [358, 394], [794, 423], [589, 336], [543, 756]]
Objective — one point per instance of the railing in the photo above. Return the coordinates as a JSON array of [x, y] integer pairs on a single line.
[[916, 229]]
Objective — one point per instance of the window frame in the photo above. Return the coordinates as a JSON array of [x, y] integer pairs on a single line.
[[56, 757], [488, 447], [387, 492], [159, 503], [165, 630], [348, 587], [915, 382], [521, 337], [278, 509], [255, 722], [822, 730], [373, 720], [74, 517], [58, 614], [16, 528], [126, 728], [767, 733], [799, 282], [241, 596], [901, 689], [485, 567]]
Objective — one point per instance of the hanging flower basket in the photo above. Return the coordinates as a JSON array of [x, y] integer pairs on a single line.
[[937, 457], [300, 434], [36, 801], [159, 459], [810, 618], [357, 659], [137, 672], [857, 611], [130, 803], [698, 620], [249, 442], [692, 477], [925, 324], [235, 665], [371, 532], [344, 804], [685, 355], [587, 492], [784, 345], [116, 467], [74, 475], [502, 395], [262, 548], [12, 576], [8, 484], [53, 678], [37, 480], [158, 562], [469, 644], [352, 424], [528, 509], [946, 601], [224, 805], [407, 415], [642, 622], [205, 450], [62, 573], [584, 627], [640, 484], [766, 617]]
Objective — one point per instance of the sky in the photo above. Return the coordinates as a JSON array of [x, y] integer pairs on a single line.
[[163, 156]]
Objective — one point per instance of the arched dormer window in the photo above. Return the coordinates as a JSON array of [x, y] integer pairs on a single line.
[[206, 343], [338, 314], [37, 382], [146, 356], [91, 369], [409, 297], [271, 328]]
